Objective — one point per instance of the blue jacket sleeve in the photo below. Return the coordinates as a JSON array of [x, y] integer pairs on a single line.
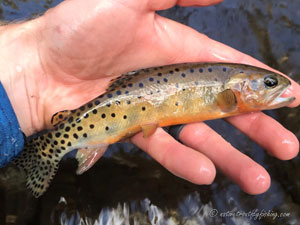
[[11, 136]]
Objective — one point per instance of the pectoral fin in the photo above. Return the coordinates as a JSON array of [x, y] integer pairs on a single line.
[[227, 101], [149, 129], [87, 157]]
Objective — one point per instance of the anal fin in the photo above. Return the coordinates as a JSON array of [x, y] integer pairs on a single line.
[[87, 157]]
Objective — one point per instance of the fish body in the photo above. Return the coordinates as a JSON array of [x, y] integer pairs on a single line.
[[144, 100]]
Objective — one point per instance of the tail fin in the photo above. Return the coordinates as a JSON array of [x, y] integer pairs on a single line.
[[39, 160]]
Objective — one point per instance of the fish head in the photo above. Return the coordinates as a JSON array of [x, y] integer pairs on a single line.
[[260, 89]]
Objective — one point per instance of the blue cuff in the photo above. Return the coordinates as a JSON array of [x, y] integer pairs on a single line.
[[11, 136]]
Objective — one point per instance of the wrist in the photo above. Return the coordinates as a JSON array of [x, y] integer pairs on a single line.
[[19, 68]]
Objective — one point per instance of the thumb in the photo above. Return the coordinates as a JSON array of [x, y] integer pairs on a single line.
[[166, 4]]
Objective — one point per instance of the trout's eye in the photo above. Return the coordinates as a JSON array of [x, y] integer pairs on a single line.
[[270, 81]]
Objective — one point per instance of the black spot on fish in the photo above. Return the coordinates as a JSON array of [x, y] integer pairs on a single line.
[[85, 135], [201, 70], [101, 96], [58, 151], [78, 120], [159, 74], [55, 143], [215, 79], [139, 97], [69, 144], [63, 148], [44, 154], [62, 141], [151, 93], [57, 134], [49, 135], [82, 108], [118, 102], [92, 126], [108, 104], [73, 125], [106, 128], [66, 136], [95, 111], [124, 117], [75, 135], [61, 126], [70, 120], [183, 89], [90, 105], [79, 128], [86, 115], [124, 86], [165, 80], [60, 116], [151, 79], [113, 115], [42, 138], [158, 82], [126, 92], [130, 85], [109, 95], [192, 70], [48, 141], [176, 103], [141, 85], [73, 110], [143, 108], [210, 70], [97, 102], [171, 71], [224, 69], [119, 92], [176, 69], [196, 83], [177, 85], [183, 75], [128, 102], [103, 115], [78, 114]]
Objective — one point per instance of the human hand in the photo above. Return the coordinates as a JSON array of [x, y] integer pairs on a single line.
[[71, 57]]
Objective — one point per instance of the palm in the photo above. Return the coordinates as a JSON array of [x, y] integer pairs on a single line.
[[81, 53]]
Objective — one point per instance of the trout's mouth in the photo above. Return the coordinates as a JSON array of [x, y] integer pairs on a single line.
[[275, 100]]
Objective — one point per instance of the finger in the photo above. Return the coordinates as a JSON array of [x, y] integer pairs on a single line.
[[166, 4], [177, 158], [249, 175], [268, 133]]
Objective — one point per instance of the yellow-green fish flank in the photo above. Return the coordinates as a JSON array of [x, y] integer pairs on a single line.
[[144, 100]]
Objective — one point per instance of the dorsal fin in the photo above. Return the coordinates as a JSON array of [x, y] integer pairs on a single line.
[[119, 81], [59, 117]]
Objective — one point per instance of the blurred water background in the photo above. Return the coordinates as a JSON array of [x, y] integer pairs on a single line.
[[127, 187]]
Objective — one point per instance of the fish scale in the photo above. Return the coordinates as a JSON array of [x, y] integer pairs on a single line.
[[142, 101]]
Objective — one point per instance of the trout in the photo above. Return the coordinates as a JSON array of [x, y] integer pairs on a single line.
[[144, 100]]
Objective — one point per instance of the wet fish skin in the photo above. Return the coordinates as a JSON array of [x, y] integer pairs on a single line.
[[144, 100]]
